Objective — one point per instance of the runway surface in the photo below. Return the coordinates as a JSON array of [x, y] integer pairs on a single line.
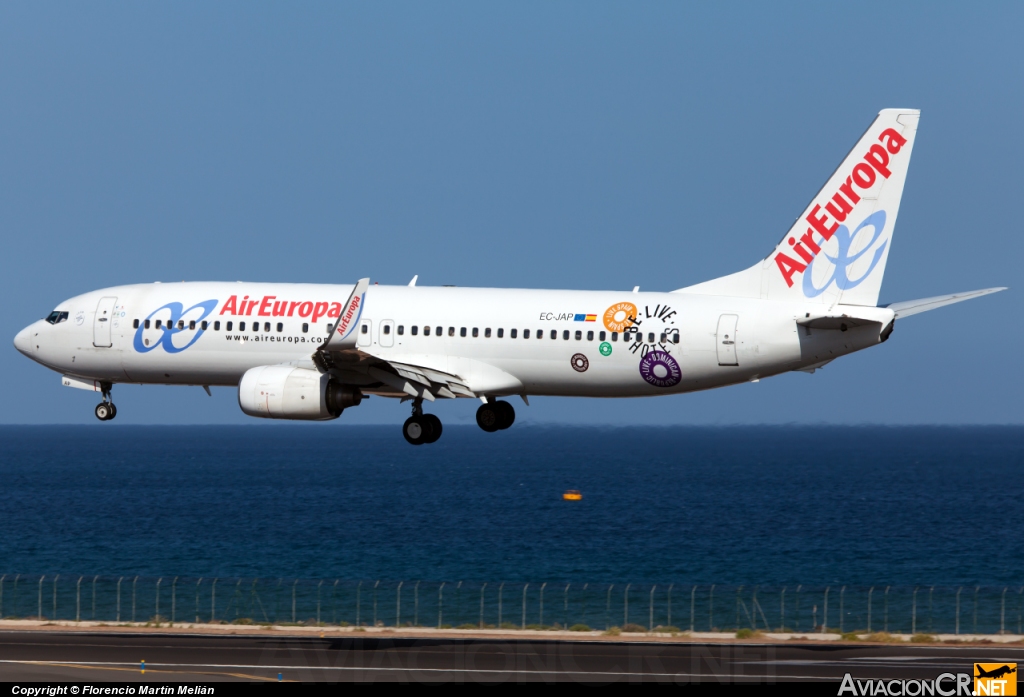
[[106, 656]]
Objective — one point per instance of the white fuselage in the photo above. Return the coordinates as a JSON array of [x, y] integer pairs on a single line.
[[577, 346]]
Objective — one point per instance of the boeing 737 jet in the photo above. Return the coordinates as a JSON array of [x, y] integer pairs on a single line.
[[309, 351]]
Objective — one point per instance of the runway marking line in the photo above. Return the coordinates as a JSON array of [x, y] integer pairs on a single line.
[[133, 670]]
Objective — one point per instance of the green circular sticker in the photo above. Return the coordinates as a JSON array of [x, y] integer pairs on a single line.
[[605, 348]]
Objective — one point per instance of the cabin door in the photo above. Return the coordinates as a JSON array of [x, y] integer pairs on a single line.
[[101, 323], [727, 340]]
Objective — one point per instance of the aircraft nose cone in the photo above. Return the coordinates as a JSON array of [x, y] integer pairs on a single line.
[[23, 341]]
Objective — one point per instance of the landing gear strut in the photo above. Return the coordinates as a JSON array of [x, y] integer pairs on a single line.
[[421, 428], [106, 410], [495, 416]]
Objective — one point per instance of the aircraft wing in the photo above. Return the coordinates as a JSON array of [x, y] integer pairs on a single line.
[[913, 307], [374, 375]]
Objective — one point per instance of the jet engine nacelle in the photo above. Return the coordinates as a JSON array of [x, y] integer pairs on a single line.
[[287, 392]]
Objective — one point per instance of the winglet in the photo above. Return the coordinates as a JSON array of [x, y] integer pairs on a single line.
[[412, 283], [344, 334]]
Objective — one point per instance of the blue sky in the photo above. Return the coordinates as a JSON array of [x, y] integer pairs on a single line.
[[558, 145]]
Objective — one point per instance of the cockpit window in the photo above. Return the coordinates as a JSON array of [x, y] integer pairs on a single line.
[[57, 317]]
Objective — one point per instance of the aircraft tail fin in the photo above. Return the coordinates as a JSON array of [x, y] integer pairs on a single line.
[[837, 249]]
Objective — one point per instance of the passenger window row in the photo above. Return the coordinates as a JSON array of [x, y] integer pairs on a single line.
[[539, 334], [228, 326]]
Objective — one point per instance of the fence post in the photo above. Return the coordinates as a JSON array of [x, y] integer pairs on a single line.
[[913, 614], [824, 619], [174, 598], [1003, 613], [650, 608], [78, 600], [40, 615], [134, 582], [500, 589], [416, 605], [359, 589], [158, 582], [782, 610], [931, 627], [440, 605], [958, 609], [738, 590], [197, 598], [334, 604], [796, 625], [318, 586], [753, 610], [885, 608], [398, 605], [375, 602], [1020, 605], [55, 600], [458, 604], [294, 586], [524, 604], [482, 589], [608, 609], [668, 620], [975, 631], [541, 618], [711, 609], [585, 603], [842, 592], [565, 607], [693, 605], [213, 601], [94, 596], [625, 605], [870, 591]]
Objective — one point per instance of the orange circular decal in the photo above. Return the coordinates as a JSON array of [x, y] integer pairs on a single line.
[[619, 316]]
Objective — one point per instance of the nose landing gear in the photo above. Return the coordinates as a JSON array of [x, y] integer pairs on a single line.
[[106, 410], [495, 416], [421, 428]]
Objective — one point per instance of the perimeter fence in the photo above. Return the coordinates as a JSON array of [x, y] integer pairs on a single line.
[[508, 605]]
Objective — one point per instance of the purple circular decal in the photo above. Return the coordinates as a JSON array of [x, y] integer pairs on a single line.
[[660, 369]]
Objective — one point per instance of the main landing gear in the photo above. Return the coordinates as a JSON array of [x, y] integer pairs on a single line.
[[106, 410], [421, 428], [495, 416]]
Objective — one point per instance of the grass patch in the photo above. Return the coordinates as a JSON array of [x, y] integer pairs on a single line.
[[924, 639], [883, 638], [579, 628], [612, 631], [508, 625], [632, 628], [467, 625], [850, 636], [669, 629], [748, 634], [242, 620]]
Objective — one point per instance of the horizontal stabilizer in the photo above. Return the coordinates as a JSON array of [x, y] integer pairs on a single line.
[[912, 307]]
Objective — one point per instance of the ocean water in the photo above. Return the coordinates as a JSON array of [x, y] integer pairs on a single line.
[[810, 504]]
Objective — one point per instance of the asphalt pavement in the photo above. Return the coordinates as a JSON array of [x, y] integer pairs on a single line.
[[86, 657]]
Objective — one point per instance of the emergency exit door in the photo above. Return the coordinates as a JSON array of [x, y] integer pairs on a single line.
[[102, 321], [727, 340]]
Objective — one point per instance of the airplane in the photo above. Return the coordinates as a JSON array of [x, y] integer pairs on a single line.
[[995, 673], [310, 351]]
